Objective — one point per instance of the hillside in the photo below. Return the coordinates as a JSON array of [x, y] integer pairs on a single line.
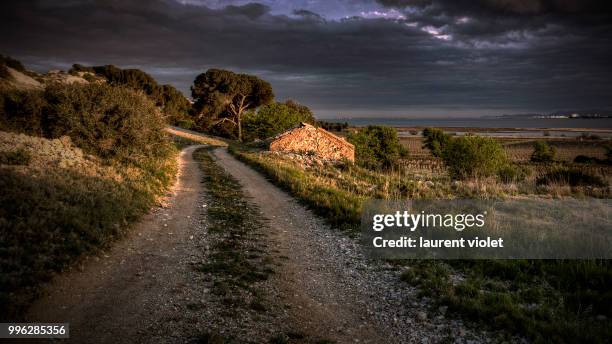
[[19, 80]]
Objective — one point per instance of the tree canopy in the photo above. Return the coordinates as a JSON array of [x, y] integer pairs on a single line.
[[377, 147], [275, 118], [435, 141], [223, 96]]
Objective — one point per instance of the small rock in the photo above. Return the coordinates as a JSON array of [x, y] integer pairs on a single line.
[[421, 316]]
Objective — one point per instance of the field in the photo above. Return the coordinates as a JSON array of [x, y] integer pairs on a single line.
[[521, 149]]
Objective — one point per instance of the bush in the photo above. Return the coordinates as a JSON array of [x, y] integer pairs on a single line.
[[583, 159], [12, 63], [511, 174], [17, 157], [110, 122], [377, 147], [4, 72], [22, 111], [571, 177], [275, 118], [543, 152], [173, 103], [473, 156], [435, 141], [186, 124]]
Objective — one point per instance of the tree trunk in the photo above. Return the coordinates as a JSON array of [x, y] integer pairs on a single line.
[[239, 122], [237, 110]]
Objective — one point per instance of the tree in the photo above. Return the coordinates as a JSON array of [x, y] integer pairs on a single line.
[[275, 118], [435, 140], [542, 152], [224, 96], [377, 147], [174, 104], [473, 156]]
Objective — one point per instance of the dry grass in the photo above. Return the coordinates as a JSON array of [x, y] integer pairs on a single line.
[[196, 136], [567, 149], [520, 150]]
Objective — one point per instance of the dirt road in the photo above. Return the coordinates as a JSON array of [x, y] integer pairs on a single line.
[[317, 288], [329, 287], [147, 288], [128, 294]]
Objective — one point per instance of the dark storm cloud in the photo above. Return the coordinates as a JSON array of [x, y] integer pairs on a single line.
[[427, 57]]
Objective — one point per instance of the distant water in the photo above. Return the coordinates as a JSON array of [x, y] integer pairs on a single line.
[[521, 123]]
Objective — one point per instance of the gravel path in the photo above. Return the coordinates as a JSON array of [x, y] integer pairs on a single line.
[[330, 288], [147, 289]]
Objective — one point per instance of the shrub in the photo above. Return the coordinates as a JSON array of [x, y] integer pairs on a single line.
[[542, 152], [22, 111], [110, 122], [583, 159], [173, 103], [275, 118], [89, 77], [377, 147], [473, 156], [17, 157], [12, 63], [186, 124], [511, 174], [571, 177], [435, 141], [4, 72]]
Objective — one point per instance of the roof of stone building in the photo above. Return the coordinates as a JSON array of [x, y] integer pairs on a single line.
[[302, 125]]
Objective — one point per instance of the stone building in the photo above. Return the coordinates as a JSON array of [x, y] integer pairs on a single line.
[[306, 138]]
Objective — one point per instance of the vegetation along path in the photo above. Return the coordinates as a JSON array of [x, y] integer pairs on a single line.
[[202, 270]]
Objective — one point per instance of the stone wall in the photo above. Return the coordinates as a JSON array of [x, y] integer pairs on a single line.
[[309, 139]]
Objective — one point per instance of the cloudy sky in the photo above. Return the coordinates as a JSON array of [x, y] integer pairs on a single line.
[[413, 58]]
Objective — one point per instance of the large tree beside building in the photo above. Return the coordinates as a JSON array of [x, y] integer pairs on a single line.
[[224, 96], [274, 118]]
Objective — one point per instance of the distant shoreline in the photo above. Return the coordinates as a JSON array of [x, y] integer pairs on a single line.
[[600, 125]]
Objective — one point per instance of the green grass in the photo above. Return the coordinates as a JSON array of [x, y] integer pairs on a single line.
[[238, 260], [559, 301], [545, 300]]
